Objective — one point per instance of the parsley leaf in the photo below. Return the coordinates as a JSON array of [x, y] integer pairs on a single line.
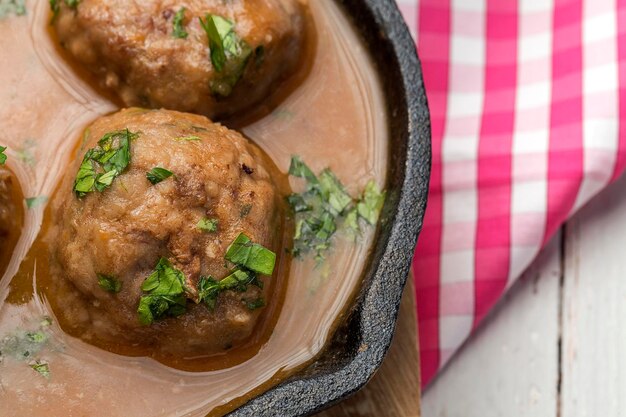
[[208, 291], [33, 202], [325, 206], [109, 283], [165, 287], [255, 304], [229, 53], [3, 156], [16, 7], [251, 255], [208, 225], [158, 174], [191, 138], [209, 288], [55, 6], [299, 169], [179, 31], [298, 203], [333, 192], [42, 368], [102, 164], [371, 203], [249, 259]]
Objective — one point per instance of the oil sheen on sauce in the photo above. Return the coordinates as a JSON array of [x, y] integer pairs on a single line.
[[335, 118]]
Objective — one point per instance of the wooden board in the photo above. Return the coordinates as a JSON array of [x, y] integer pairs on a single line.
[[509, 367], [594, 309], [394, 390]]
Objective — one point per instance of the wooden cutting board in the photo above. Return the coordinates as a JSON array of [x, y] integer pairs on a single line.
[[395, 389]]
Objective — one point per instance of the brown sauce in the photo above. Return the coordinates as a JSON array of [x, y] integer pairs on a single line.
[[335, 117], [11, 224]]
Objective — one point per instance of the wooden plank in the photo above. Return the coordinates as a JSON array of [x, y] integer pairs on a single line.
[[510, 366], [394, 390], [594, 308]]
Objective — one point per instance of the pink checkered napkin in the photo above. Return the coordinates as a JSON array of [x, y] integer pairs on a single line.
[[526, 99]]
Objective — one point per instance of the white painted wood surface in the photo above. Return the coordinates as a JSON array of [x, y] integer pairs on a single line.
[[511, 363], [594, 309], [556, 346]]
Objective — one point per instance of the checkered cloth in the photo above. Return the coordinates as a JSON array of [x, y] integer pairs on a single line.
[[526, 99]]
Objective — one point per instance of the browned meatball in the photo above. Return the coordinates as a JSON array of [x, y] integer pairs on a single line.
[[156, 53], [120, 232]]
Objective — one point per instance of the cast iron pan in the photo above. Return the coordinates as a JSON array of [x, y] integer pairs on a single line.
[[358, 348]]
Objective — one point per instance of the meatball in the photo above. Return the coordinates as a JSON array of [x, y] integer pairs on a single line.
[[211, 57], [106, 241]]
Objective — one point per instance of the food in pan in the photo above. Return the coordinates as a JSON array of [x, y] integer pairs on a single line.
[[173, 262], [168, 234], [211, 57]]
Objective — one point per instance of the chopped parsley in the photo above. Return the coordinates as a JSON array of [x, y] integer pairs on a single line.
[[250, 259], [252, 256], [3, 156], [209, 288], [166, 293], [208, 225], [24, 345], [229, 53], [102, 164], [34, 202], [158, 174], [191, 138], [165, 288], [179, 31], [109, 283], [371, 203], [42, 368], [325, 206], [255, 304], [15, 7], [55, 6], [25, 152]]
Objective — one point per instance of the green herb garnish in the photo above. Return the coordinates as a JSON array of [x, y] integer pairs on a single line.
[[251, 255], [325, 206], [42, 368], [229, 53], [34, 202], [55, 6], [166, 293], [16, 7], [208, 225], [109, 283], [25, 152], [209, 288], [371, 203], [102, 164], [250, 259], [23, 345], [158, 174], [179, 24], [3, 156], [187, 138], [255, 304]]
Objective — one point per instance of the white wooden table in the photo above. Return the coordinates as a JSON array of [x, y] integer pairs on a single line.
[[556, 346]]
